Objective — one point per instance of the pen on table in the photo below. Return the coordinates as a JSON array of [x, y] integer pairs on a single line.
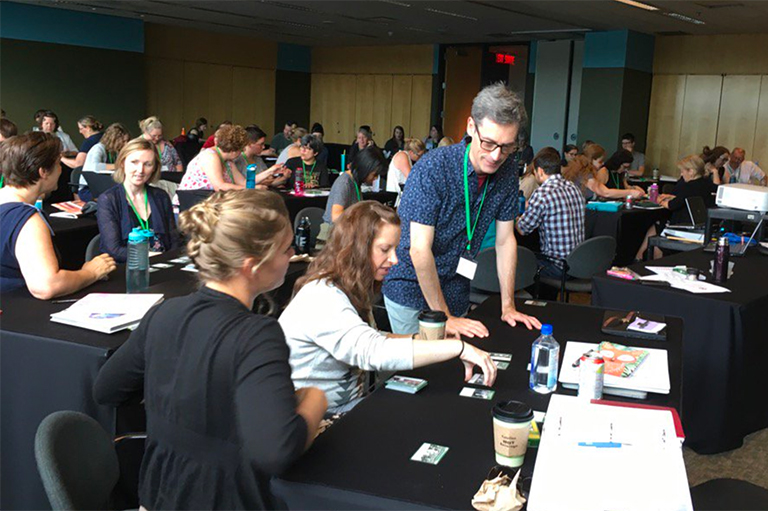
[[71, 300], [602, 445]]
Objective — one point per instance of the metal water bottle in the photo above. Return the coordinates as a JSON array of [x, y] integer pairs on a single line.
[[722, 255], [303, 236], [298, 183], [250, 176], [521, 204], [137, 263]]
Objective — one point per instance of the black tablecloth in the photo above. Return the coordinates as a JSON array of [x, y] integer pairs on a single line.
[[296, 204], [71, 237], [725, 345], [628, 227], [363, 461], [46, 367]]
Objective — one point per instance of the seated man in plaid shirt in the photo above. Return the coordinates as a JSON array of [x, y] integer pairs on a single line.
[[556, 208]]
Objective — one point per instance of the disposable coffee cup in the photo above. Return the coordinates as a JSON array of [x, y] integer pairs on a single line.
[[511, 425], [432, 325]]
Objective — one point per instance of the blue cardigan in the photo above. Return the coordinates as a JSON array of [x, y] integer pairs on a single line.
[[116, 220]]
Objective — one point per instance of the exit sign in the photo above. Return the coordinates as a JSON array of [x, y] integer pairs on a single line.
[[503, 58]]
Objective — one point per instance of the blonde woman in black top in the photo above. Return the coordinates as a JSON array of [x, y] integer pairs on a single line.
[[222, 413]]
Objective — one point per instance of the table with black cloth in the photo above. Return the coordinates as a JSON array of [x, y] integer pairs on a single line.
[[725, 346], [363, 460], [71, 237], [296, 204], [627, 226], [47, 367]]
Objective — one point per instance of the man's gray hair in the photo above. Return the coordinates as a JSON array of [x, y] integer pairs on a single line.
[[499, 104]]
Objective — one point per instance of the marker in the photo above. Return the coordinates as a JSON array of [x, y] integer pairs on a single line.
[[602, 445]]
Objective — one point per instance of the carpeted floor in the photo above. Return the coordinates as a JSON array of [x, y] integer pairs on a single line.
[[748, 463]]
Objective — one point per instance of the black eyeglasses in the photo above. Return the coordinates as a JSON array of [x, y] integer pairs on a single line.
[[490, 145]]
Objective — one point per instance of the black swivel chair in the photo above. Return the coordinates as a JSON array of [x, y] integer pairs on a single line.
[[591, 257]]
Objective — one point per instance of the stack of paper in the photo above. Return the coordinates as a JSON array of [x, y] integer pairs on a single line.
[[71, 209], [594, 456], [650, 376], [107, 312], [678, 281], [694, 236]]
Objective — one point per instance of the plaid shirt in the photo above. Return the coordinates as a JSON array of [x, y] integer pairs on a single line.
[[557, 209]]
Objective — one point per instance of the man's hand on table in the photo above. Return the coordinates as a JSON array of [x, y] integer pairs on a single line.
[[513, 317], [456, 327]]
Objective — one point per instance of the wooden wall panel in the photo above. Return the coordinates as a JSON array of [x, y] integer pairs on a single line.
[[219, 92], [333, 105], [664, 123], [712, 54], [421, 106], [760, 151], [382, 108], [700, 113], [253, 97], [197, 45], [462, 83], [404, 59], [738, 112], [163, 98], [364, 101], [196, 91], [401, 103]]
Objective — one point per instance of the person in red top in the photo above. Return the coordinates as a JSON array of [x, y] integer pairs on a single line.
[[211, 141]]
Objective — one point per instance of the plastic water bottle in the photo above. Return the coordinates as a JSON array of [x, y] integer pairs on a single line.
[[521, 204], [137, 265], [298, 183], [653, 192], [545, 356], [303, 236], [250, 176]]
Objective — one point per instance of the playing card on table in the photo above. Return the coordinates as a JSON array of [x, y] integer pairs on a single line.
[[190, 267], [477, 393], [501, 366], [429, 453], [477, 379], [501, 357], [162, 266], [181, 260]]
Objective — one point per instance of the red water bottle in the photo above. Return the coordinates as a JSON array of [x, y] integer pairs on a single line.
[[298, 182]]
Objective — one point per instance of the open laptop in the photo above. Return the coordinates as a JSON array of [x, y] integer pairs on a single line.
[[736, 249], [697, 215]]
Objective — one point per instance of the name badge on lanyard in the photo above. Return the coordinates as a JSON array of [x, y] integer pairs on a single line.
[[467, 265]]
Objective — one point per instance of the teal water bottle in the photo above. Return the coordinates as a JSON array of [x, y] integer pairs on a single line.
[[250, 176], [137, 263]]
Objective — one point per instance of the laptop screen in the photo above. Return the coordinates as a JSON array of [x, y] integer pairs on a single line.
[[697, 211]]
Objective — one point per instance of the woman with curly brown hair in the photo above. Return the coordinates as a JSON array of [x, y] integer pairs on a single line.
[[329, 323], [214, 167], [587, 173]]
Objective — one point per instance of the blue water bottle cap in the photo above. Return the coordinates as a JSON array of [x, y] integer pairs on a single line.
[[546, 329], [148, 233], [136, 235], [252, 166]]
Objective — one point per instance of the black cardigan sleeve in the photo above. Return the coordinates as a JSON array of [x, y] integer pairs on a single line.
[[273, 435], [109, 218]]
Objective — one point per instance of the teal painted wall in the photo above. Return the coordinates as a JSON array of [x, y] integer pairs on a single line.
[[294, 57], [61, 26]]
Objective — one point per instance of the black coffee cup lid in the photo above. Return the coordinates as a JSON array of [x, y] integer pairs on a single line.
[[512, 411], [433, 316]]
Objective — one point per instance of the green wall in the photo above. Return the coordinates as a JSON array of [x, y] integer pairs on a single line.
[[72, 81]]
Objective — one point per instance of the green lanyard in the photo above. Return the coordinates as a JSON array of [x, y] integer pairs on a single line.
[[312, 172], [471, 229], [247, 161], [357, 189], [109, 158], [616, 179], [226, 165], [159, 154], [2, 181], [144, 224]]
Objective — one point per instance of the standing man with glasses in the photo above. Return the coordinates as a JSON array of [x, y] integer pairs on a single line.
[[451, 197]]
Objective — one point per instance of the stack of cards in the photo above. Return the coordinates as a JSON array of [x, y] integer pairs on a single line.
[[486, 394], [501, 360], [429, 453], [405, 384]]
